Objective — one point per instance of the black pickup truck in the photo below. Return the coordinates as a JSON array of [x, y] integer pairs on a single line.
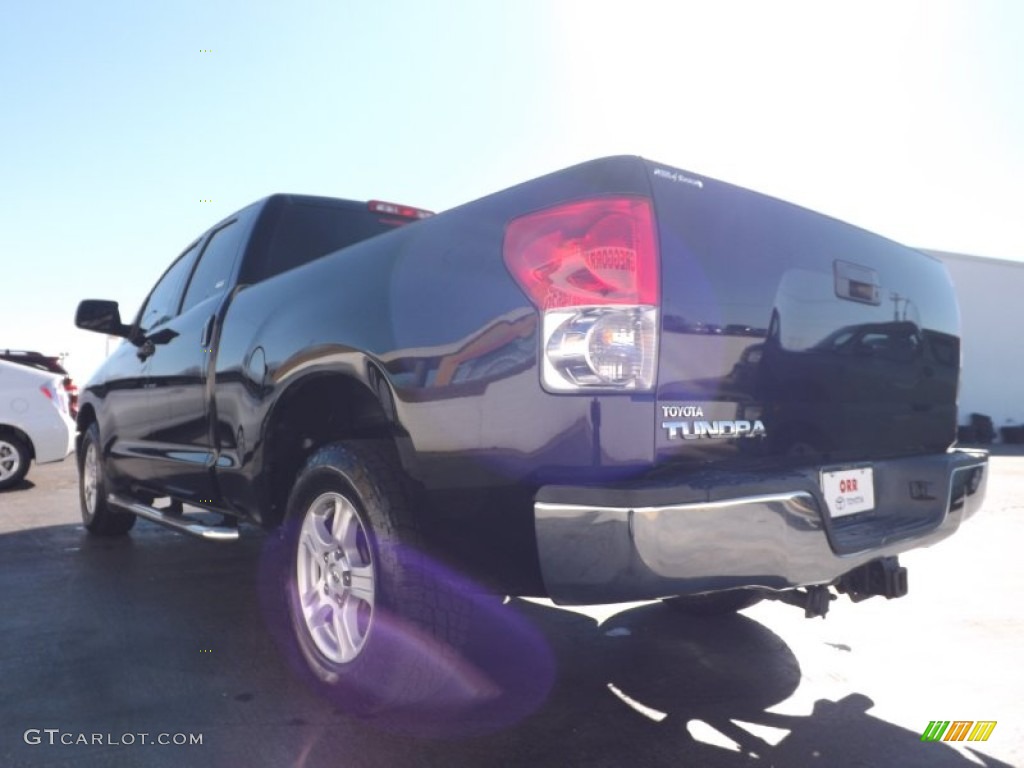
[[620, 381]]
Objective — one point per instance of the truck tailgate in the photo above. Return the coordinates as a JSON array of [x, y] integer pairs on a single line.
[[786, 333]]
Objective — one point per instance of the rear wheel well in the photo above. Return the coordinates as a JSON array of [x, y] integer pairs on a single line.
[[7, 429], [322, 409]]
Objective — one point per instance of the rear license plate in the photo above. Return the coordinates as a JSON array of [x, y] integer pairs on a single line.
[[849, 491]]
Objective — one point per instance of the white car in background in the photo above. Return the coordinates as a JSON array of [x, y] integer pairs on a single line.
[[34, 421]]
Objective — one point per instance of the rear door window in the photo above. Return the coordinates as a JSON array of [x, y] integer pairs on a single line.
[[213, 274]]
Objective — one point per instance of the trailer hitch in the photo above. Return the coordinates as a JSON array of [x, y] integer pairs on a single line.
[[884, 576]]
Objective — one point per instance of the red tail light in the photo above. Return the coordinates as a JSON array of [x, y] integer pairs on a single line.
[[71, 389], [587, 253], [591, 267]]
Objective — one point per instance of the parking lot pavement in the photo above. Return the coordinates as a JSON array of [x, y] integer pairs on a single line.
[[158, 634]]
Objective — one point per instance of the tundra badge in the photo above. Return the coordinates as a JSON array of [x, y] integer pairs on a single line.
[[693, 426]]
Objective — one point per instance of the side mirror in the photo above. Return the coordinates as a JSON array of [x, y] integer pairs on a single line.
[[163, 336], [101, 316]]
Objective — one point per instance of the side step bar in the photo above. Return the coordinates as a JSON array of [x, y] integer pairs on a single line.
[[177, 522]]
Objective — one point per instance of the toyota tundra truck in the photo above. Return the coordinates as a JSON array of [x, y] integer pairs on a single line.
[[621, 381]]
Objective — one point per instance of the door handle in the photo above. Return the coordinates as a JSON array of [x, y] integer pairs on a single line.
[[207, 335]]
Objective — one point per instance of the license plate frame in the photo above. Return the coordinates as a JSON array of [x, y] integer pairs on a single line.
[[848, 490]]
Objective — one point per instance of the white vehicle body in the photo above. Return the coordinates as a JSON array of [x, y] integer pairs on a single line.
[[33, 409]]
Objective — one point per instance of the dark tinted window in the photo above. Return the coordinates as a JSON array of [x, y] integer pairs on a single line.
[[215, 265], [945, 348], [897, 344], [307, 231], [162, 303]]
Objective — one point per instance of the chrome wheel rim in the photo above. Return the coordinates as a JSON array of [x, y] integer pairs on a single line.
[[10, 460], [90, 479], [335, 578]]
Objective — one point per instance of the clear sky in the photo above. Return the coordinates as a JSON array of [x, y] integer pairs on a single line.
[[118, 118]]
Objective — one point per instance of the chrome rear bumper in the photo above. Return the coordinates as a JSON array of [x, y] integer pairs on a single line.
[[732, 531]]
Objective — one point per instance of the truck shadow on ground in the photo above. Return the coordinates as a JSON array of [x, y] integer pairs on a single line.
[[155, 633], [699, 691]]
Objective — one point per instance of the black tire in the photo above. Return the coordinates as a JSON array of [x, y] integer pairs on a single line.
[[401, 647], [15, 456], [714, 603], [98, 517]]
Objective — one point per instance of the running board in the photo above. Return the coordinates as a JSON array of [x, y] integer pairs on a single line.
[[177, 522]]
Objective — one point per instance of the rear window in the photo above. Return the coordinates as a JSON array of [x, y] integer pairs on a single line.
[[307, 231]]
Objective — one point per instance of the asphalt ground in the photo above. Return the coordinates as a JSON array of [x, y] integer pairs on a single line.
[[157, 634]]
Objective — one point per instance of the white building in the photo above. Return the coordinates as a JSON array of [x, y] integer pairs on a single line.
[[991, 294]]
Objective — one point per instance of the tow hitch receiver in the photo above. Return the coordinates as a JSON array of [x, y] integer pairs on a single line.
[[884, 576]]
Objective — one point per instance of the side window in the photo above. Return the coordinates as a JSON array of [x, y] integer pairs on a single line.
[[162, 303], [897, 345], [214, 271]]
